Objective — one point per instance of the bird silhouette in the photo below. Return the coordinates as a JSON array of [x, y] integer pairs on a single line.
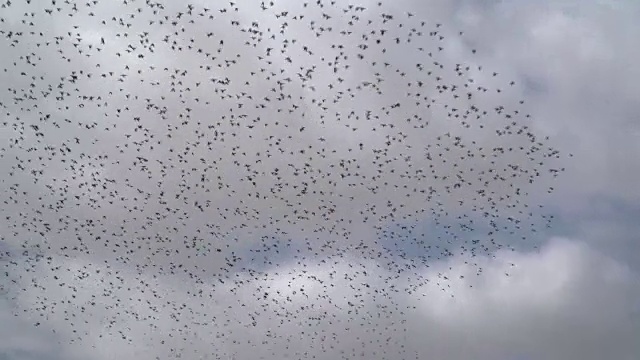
[[176, 173]]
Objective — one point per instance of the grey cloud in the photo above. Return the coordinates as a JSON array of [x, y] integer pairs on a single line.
[[233, 198], [566, 301], [581, 53], [571, 63]]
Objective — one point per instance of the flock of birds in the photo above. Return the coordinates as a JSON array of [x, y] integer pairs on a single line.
[[225, 147]]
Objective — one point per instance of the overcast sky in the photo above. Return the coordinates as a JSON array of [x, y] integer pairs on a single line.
[[570, 291]]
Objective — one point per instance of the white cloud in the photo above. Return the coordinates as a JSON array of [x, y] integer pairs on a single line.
[[582, 52], [566, 302]]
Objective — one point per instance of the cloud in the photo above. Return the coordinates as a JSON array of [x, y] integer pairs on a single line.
[[565, 301], [571, 63], [321, 195], [20, 339], [580, 53]]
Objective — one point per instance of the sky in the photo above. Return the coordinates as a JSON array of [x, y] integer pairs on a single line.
[[99, 285]]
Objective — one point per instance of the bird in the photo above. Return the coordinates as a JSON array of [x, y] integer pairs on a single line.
[[177, 174]]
